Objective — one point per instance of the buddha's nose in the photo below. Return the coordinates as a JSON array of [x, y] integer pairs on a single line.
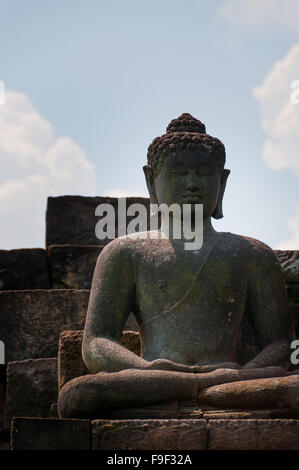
[[192, 182]]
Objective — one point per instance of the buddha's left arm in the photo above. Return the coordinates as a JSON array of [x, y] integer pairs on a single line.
[[268, 305]]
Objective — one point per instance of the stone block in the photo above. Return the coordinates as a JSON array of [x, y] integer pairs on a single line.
[[24, 269], [72, 266], [50, 434], [289, 262], [253, 434], [31, 388], [149, 434], [293, 296], [72, 219], [214, 413], [2, 396], [31, 321], [131, 341], [70, 362]]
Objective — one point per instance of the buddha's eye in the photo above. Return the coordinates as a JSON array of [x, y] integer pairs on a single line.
[[180, 171], [200, 173]]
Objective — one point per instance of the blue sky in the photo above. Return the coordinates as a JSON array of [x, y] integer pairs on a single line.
[[89, 85]]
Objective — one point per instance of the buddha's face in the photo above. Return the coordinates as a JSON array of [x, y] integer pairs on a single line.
[[187, 177]]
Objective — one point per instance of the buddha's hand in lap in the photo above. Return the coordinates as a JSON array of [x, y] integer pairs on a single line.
[[219, 365], [165, 364]]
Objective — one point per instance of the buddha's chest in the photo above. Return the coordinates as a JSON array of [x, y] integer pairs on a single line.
[[188, 280]]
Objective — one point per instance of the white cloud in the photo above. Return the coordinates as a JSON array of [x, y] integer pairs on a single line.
[[117, 192], [34, 165], [280, 122], [280, 118], [293, 242], [260, 14]]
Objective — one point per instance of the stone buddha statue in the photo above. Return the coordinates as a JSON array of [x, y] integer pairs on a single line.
[[198, 310]]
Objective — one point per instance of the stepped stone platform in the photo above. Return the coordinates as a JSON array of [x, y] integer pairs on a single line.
[[155, 434]]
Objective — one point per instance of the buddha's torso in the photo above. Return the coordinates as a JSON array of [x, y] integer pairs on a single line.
[[190, 304]]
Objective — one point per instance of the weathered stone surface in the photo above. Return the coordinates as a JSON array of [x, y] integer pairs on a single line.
[[31, 388], [253, 434], [248, 345], [4, 445], [131, 324], [173, 410], [131, 341], [72, 266], [54, 411], [70, 362], [50, 434], [2, 394], [72, 219], [248, 414], [276, 392], [24, 269], [151, 434], [158, 411], [289, 261], [293, 297], [95, 395], [31, 321]]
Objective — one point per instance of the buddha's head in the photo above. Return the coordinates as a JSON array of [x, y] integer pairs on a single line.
[[186, 165]]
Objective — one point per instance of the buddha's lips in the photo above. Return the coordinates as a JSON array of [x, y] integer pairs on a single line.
[[189, 198]]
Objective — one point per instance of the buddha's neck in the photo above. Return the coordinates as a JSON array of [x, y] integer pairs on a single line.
[[207, 229]]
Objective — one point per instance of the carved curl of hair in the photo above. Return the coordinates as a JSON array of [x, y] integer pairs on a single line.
[[183, 133]]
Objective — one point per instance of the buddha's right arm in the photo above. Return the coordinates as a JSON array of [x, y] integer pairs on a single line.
[[111, 301], [112, 298], [106, 354]]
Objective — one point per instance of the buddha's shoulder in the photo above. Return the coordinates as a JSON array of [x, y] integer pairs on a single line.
[[137, 245], [132, 244], [247, 248]]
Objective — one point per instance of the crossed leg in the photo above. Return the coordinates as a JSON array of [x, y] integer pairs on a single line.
[[91, 395]]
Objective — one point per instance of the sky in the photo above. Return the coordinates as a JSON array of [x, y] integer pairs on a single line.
[[90, 83]]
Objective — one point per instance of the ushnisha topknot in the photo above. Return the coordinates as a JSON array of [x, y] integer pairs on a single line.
[[186, 123], [185, 132]]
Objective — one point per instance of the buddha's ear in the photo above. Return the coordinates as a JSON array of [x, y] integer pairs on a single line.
[[218, 214], [150, 182]]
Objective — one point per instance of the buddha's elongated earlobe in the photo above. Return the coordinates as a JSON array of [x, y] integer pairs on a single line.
[[150, 182], [218, 214]]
